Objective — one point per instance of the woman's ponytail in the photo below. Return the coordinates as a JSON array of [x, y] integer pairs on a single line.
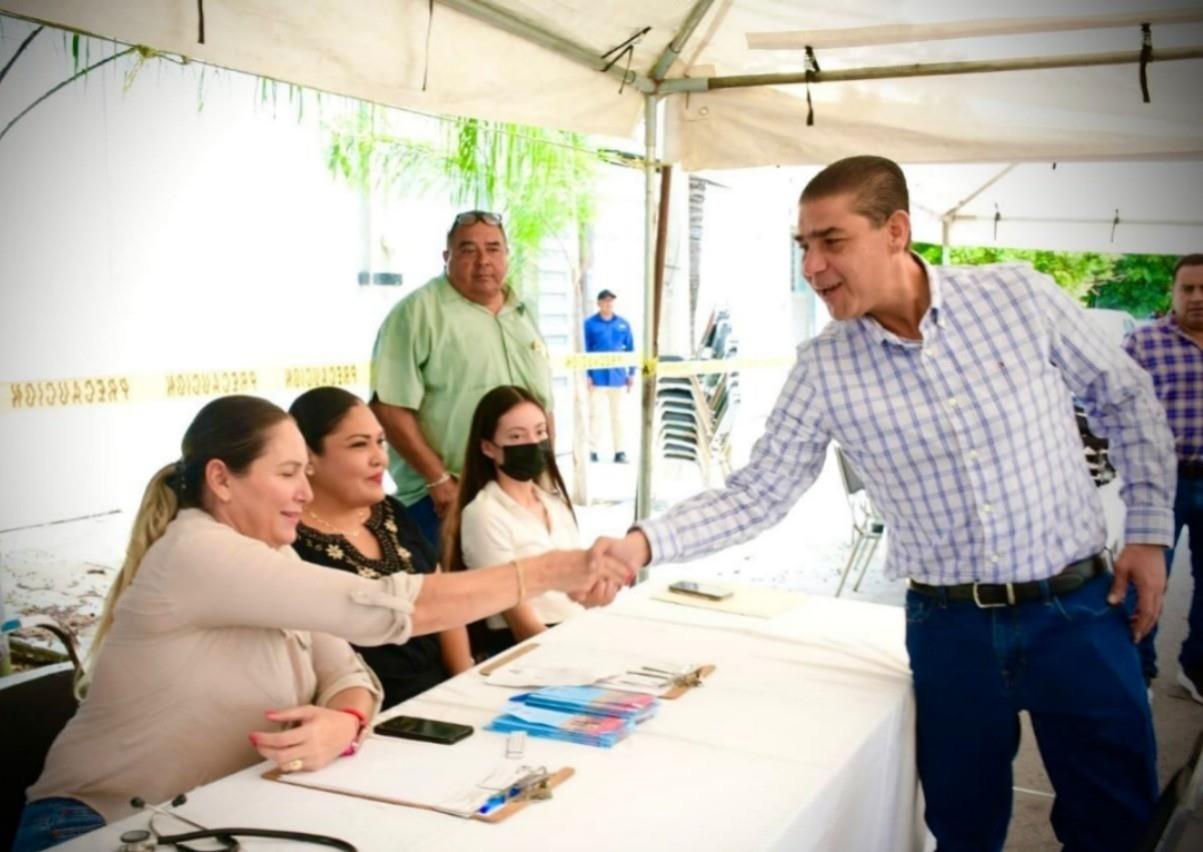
[[160, 504]]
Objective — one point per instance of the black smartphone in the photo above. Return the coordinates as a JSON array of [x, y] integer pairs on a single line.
[[701, 590], [426, 730]]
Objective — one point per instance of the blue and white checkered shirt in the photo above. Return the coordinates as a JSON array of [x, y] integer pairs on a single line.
[[966, 440], [1175, 362]]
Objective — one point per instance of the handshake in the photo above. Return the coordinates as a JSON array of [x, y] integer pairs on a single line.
[[610, 564]]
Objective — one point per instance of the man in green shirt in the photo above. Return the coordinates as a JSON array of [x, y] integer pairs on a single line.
[[441, 349]]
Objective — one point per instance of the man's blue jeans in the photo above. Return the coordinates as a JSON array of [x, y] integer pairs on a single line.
[[49, 822], [1070, 662], [1188, 512], [423, 514]]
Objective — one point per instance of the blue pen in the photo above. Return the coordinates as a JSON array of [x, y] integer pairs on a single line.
[[498, 800]]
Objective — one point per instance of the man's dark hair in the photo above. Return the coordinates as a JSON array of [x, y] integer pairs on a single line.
[[1187, 260], [877, 185]]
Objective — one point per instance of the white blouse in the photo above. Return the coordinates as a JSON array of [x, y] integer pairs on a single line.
[[495, 529]]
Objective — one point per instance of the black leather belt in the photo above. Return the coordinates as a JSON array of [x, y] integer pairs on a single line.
[[1190, 469], [1009, 594]]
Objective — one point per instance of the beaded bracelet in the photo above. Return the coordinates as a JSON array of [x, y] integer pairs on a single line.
[[446, 477], [363, 723]]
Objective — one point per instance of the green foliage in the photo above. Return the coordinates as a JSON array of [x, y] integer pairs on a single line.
[[541, 180], [1136, 283], [1139, 284], [1076, 273]]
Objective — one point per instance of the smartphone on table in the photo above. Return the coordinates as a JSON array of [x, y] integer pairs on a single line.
[[701, 590], [425, 730]]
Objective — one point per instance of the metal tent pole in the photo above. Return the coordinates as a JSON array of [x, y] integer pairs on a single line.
[[674, 47], [504, 19], [933, 69], [951, 216], [937, 31], [643, 493]]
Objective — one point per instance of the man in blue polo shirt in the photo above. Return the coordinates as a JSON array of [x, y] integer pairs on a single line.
[[605, 331]]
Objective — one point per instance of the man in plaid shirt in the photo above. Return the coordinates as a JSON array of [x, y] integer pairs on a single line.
[[950, 390], [1171, 349]]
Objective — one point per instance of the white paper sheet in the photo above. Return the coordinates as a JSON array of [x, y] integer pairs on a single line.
[[455, 779]]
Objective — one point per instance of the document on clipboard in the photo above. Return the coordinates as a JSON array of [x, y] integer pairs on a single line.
[[668, 680], [471, 783], [531, 667]]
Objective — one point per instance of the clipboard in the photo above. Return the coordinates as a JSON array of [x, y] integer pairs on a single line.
[[516, 803], [683, 683], [688, 681], [505, 659]]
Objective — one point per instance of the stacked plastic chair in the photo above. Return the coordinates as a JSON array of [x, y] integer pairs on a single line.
[[1095, 449], [696, 414]]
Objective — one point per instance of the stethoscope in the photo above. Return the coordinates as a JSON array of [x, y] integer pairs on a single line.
[[149, 839]]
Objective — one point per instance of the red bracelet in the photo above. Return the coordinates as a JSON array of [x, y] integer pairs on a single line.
[[363, 723]]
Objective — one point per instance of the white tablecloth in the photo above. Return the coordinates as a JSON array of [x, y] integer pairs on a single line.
[[802, 739]]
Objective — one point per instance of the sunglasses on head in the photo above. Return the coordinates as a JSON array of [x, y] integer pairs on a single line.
[[471, 217]]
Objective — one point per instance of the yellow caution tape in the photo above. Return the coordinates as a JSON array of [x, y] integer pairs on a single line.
[[563, 363], [566, 362], [185, 384], [119, 389], [667, 369]]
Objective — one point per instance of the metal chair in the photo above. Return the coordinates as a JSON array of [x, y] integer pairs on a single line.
[[35, 706], [867, 524], [1177, 823], [1096, 450]]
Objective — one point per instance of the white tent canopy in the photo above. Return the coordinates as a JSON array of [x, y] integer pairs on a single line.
[[1070, 207], [471, 62]]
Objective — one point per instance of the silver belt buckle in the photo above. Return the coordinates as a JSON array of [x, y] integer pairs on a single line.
[[1009, 602]]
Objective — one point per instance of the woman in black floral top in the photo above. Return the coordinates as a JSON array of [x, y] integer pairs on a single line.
[[352, 525]]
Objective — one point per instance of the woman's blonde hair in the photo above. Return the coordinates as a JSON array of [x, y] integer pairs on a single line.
[[232, 429]]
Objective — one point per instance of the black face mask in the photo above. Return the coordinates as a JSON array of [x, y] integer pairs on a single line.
[[524, 462]]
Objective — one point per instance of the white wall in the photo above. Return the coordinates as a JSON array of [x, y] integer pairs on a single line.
[[140, 234]]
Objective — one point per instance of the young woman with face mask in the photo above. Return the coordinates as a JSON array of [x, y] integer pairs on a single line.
[[512, 505]]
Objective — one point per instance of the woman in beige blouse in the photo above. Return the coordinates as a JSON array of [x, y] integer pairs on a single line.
[[217, 645]]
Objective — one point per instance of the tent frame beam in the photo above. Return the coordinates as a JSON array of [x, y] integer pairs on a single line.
[[933, 69], [524, 29], [950, 215], [901, 34], [674, 48], [1053, 220]]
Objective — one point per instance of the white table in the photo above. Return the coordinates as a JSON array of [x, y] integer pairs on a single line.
[[802, 739]]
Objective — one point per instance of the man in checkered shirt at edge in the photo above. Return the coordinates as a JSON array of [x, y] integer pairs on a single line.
[[950, 391], [1171, 349]]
